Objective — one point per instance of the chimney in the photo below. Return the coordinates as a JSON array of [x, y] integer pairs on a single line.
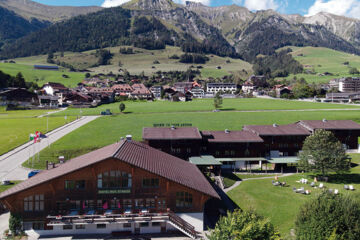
[[275, 125], [128, 138], [227, 131]]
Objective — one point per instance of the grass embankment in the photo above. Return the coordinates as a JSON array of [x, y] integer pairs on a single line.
[[15, 126], [281, 205], [41, 76], [107, 130], [246, 104], [6, 187], [322, 60]]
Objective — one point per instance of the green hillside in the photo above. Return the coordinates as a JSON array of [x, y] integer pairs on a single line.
[[26, 67], [321, 60]]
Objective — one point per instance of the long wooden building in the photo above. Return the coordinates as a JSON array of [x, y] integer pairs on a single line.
[[125, 188]]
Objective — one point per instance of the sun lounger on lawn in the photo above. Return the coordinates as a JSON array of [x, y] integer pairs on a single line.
[[336, 191], [321, 185], [312, 184], [351, 187]]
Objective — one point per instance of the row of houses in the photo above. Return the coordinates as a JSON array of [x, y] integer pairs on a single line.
[[345, 85], [255, 143]]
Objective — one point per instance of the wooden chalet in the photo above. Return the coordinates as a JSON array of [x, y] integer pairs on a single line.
[[179, 142], [121, 189], [18, 97]]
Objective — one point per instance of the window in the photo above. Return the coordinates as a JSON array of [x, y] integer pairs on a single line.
[[80, 226], [69, 185], [183, 200], [127, 203], [115, 204], [188, 150], [150, 203], [28, 204], [139, 203], [144, 224], [150, 182], [100, 225], [155, 224], [114, 179], [232, 153], [75, 205], [217, 153], [127, 225], [161, 204], [38, 226], [67, 227], [39, 203]]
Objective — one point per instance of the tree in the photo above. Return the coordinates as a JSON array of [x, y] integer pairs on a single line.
[[19, 81], [241, 225], [329, 216], [218, 101], [323, 152], [15, 223], [354, 71], [122, 107]]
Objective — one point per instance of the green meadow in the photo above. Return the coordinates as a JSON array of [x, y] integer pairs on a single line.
[[202, 105], [323, 60], [6, 187], [15, 126], [109, 129], [281, 204], [41, 76]]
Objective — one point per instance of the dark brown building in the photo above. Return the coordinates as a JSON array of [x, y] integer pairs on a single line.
[[124, 188], [346, 131], [179, 142], [280, 140]]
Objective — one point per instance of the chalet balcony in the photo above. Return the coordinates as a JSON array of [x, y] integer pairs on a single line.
[[128, 216]]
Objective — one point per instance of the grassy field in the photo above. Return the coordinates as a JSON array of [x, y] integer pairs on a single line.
[[143, 61], [6, 187], [281, 205], [201, 105], [323, 60], [107, 130], [15, 126], [25, 66]]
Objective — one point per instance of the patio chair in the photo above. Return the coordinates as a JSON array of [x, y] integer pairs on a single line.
[[351, 187], [346, 187]]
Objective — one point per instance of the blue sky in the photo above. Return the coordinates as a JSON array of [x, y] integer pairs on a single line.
[[349, 8]]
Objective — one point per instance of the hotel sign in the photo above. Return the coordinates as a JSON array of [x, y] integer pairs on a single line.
[[115, 191], [172, 124]]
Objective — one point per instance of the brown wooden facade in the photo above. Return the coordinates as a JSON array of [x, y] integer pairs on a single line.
[[60, 201]]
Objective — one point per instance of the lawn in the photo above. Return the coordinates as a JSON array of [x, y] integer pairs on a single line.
[[107, 130], [15, 126], [41, 76], [323, 60], [6, 187], [281, 205], [246, 104]]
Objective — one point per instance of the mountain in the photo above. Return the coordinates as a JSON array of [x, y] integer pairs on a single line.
[[226, 31], [14, 26], [265, 31], [29, 10]]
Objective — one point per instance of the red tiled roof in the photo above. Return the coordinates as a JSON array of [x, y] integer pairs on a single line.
[[233, 136], [171, 133], [330, 124], [277, 130], [133, 153]]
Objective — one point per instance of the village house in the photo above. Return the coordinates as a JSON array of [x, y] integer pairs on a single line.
[[47, 101], [197, 92], [156, 91], [121, 189], [248, 87], [214, 88], [140, 92], [18, 97], [343, 97], [56, 89], [183, 87], [281, 89], [122, 89]]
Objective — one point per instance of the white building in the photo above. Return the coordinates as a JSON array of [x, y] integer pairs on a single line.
[[198, 92], [221, 87]]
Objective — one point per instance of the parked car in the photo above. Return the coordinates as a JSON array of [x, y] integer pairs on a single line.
[[33, 173], [6, 182]]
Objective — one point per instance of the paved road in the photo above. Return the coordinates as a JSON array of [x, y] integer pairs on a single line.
[[4, 223], [10, 163]]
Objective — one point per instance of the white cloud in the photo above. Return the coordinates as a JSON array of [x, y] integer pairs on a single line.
[[255, 5], [205, 2], [350, 8], [113, 3]]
